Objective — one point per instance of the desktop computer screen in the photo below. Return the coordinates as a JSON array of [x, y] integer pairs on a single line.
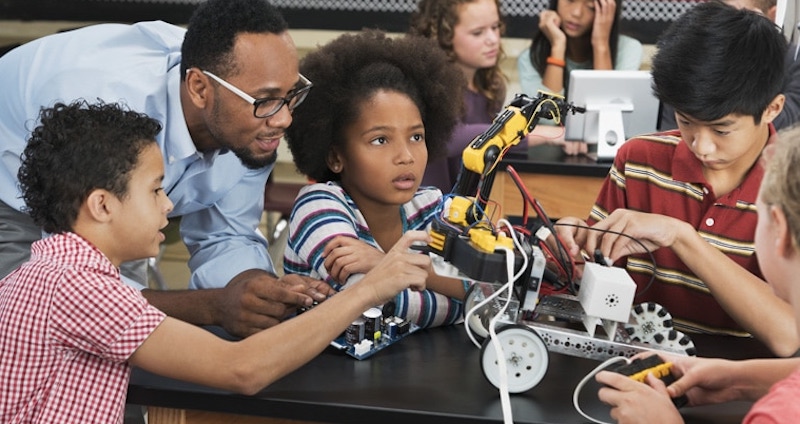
[[619, 105]]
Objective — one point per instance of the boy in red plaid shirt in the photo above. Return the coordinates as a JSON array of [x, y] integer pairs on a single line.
[[70, 329]]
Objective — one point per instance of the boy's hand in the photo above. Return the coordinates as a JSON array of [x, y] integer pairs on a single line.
[[703, 380], [652, 230], [345, 256], [317, 290], [400, 268], [574, 148], [635, 402], [572, 236]]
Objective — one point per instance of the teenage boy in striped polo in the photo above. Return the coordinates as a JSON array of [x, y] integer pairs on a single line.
[[689, 194]]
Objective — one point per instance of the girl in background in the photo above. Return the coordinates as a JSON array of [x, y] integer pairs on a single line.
[[576, 34], [380, 107], [470, 31]]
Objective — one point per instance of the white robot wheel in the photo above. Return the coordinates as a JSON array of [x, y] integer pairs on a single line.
[[525, 356], [674, 340], [651, 319]]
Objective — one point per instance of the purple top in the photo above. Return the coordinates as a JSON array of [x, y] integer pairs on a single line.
[[443, 171]]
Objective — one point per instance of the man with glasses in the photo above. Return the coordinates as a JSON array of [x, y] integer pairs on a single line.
[[268, 106], [224, 90]]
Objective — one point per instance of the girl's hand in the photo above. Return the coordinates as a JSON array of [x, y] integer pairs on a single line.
[[550, 25], [604, 12], [345, 256]]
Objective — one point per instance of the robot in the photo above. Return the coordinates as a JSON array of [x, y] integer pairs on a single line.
[[524, 301]]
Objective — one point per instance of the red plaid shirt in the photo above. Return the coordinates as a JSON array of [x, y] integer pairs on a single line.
[[67, 327]]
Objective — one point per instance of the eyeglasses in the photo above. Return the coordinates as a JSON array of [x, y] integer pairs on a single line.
[[268, 106]]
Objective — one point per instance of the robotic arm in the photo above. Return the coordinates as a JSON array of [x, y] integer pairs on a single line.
[[512, 124], [464, 238], [534, 320]]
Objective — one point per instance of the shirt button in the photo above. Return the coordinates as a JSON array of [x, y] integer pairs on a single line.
[[705, 190], [710, 222], [171, 159]]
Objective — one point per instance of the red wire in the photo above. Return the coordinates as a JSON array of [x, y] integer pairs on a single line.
[[540, 213]]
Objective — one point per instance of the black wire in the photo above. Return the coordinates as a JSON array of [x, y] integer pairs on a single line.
[[563, 255], [650, 253], [560, 254]]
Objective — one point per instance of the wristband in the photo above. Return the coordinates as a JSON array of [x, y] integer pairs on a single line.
[[556, 62]]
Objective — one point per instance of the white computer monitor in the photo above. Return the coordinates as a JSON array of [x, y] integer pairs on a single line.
[[619, 105]]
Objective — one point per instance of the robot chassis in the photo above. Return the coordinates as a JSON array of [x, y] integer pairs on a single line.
[[530, 322]]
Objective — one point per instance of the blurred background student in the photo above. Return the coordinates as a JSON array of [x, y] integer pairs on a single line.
[[576, 34], [470, 32]]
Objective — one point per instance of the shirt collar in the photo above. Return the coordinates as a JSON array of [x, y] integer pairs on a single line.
[[73, 250], [179, 145]]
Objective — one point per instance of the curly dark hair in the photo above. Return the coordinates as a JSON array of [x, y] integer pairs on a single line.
[[349, 70], [436, 19], [78, 148], [213, 27]]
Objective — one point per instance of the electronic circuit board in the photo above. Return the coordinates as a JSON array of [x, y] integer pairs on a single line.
[[372, 333]]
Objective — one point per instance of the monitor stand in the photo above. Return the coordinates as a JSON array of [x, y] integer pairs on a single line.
[[610, 131]]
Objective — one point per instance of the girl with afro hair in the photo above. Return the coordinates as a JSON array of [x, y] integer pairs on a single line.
[[381, 108]]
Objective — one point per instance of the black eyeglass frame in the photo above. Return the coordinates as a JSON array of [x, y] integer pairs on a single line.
[[296, 95]]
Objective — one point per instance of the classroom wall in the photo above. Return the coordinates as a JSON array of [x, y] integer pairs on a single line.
[[643, 19]]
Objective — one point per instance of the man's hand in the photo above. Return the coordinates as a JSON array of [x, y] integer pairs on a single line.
[[345, 256], [255, 300]]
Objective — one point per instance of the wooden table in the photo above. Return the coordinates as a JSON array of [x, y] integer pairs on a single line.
[[564, 185]]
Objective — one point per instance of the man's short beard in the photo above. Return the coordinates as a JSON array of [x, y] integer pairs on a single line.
[[251, 162]]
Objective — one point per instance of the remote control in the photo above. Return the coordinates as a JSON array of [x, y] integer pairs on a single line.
[[640, 367]]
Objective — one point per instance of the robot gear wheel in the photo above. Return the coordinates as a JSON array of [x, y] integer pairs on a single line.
[[650, 319], [674, 340]]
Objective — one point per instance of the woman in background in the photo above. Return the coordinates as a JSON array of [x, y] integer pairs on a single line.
[[576, 34], [469, 31]]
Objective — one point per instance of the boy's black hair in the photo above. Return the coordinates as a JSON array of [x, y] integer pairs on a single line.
[[349, 70], [213, 27], [78, 148], [716, 60], [541, 47]]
